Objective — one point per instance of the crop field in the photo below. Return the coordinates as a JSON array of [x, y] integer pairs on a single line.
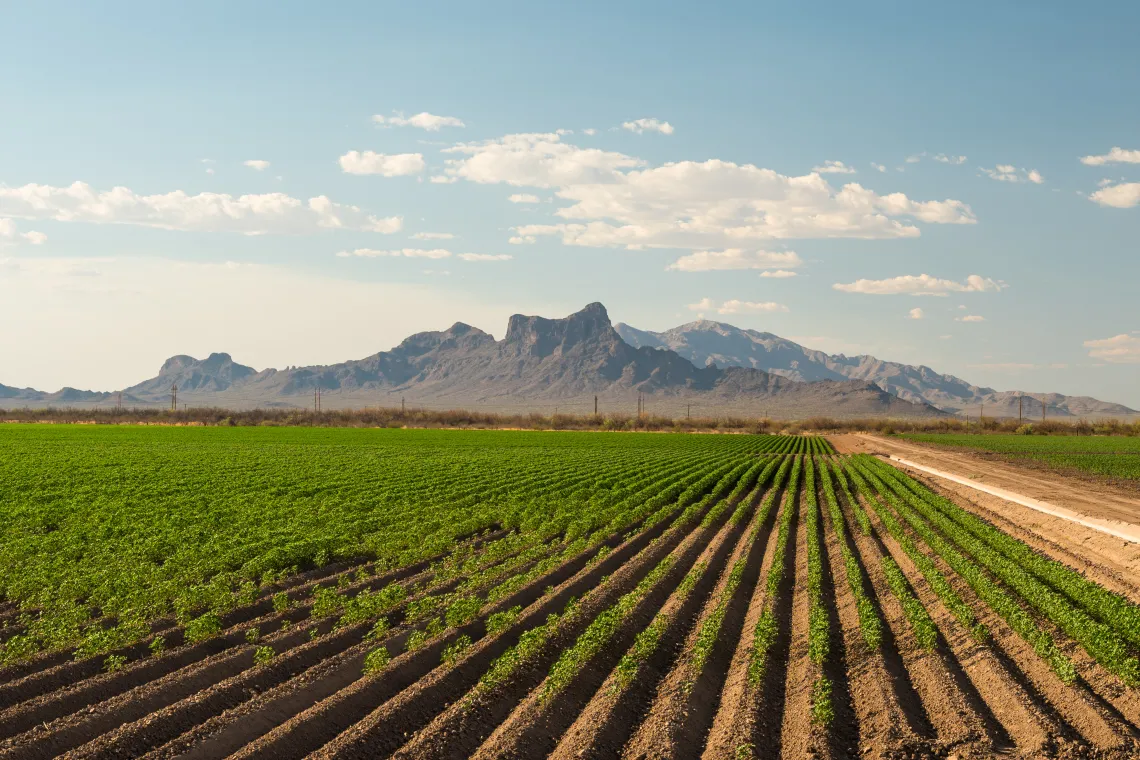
[[292, 593], [1107, 456]]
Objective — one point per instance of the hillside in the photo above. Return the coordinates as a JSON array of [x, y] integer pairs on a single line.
[[540, 362], [706, 342]]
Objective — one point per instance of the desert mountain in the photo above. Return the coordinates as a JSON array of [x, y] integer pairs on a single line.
[[539, 361], [706, 342]]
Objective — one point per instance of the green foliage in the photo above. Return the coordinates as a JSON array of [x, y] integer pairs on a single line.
[[205, 627], [822, 708], [455, 650], [281, 602], [263, 654], [114, 662], [376, 660], [500, 621], [252, 635]]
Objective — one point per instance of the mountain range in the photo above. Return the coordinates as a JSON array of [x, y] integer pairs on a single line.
[[705, 342], [539, 363], [704, 366]]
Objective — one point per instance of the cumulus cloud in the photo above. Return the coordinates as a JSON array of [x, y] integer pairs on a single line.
[[440, 179], [779, 274], [1115, 156], [648, 125], [424, 120], [735, 306], [919, 285], [522, 239], [535, 160], [970, 318], [433, 236], [410, 253], [591, 132], [1124, 195], [915, 314], [1010, 173], [614, 201], [833, 167], [486, 256], [523, 198], [878, 167], [9, 233], [256, 164], [268, 213], [915, 158], [1119, 349], [945, 159], [735, 258], [386, 165]]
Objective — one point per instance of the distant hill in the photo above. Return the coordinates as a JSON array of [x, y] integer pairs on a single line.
[[564, 362], [706, 342]]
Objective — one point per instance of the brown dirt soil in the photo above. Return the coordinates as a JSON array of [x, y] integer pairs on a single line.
[[1089, 498]]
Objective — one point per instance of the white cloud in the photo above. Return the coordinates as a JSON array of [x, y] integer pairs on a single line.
[[442, 180], [1115, 156], [486, 256], [915, 158], [411, 253], [779, 274], [424, 120], [269, 213], [393, 165], [833, 167], [915, 314], [648, 125], [696, 205], [735, 306], [878, 167], [1010, 173], [433, 236], [1124, 195], [970, 318], [735, 258], [535, 160], [10, 233], [1119, 349], [210, 170], [945, 159], [256, 164], [922, 284], [522, 240], [590, 132], [523, 198]]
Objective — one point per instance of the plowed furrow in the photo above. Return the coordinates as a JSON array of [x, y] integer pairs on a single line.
[[534, 728], [686, 701], [798, 737], [750, 714], [621, 703], [458, 730], [325, 720], [258, 716], [883, 723]]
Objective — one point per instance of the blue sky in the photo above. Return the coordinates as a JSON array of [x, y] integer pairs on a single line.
[[719, 198]]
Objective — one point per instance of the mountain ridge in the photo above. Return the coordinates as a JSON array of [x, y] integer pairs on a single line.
[[704, 341], [566, 361]]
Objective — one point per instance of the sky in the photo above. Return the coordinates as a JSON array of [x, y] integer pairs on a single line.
[[299, 183]]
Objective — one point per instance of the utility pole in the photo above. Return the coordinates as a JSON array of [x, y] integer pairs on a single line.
[[595, 406], [1042, 410], [688, 409], [174, 397], [1019, 400], [982, 415], [403, 408]]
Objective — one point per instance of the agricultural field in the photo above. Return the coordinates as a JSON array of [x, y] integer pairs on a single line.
[[339, 593], [1114, 457]]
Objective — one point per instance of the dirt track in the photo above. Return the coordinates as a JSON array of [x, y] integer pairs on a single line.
[[1080, 545]]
